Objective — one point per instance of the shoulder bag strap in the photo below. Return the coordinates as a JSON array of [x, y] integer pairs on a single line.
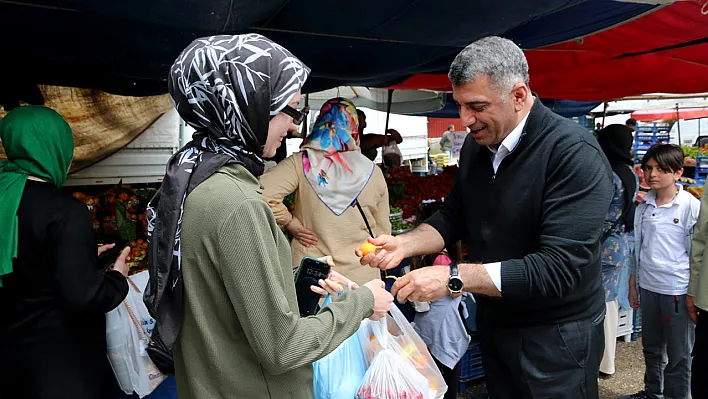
[[384, 275]]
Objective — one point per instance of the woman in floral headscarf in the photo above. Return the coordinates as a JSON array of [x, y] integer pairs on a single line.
[[329, 176]]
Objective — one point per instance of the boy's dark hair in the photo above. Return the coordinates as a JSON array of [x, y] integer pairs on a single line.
[[668, 156]]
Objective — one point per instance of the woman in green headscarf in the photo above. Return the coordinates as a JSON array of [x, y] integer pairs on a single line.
[[54, 296]]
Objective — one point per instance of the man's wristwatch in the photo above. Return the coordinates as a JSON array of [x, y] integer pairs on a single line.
[[454, 282]]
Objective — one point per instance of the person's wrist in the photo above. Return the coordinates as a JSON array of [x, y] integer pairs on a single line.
[[401, 246], [463, 270], [289, 224]]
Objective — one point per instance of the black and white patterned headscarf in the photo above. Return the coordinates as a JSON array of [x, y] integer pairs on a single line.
[[226, 87]]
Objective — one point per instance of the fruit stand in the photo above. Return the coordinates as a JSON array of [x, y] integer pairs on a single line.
[[407, 191], [118, 215], [695, 158]]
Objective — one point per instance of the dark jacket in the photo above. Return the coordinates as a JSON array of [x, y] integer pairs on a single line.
[[53, 304], [540, 215]]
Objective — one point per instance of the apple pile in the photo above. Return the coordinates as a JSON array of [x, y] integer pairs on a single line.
[[138, 256]]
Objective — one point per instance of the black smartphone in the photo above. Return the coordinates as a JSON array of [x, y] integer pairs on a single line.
[[108, 257], [311, 271]]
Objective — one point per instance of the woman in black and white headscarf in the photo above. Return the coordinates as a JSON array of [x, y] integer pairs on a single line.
[[221, 284]]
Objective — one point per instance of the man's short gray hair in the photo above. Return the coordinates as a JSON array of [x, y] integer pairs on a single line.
[[500, 59]]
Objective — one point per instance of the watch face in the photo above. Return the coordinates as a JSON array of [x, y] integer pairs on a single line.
[[455, 284]]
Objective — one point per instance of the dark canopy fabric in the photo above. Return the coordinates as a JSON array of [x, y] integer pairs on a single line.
[[126, 47]]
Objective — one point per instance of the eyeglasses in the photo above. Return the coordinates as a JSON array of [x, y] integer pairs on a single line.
[[297, 116]]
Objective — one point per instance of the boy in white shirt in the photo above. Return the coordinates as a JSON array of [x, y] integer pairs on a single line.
[[663, 226]]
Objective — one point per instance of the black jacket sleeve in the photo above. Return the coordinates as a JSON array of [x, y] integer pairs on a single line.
[[84, 287], [576, 196]]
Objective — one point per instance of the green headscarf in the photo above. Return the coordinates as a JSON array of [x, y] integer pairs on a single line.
[[38, 142]]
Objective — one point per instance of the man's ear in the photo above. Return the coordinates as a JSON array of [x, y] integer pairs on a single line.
[[520, 94]]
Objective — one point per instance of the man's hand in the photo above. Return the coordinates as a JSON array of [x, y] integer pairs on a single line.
[[105, 248], [305, 236], [692, 309], [396, 136], [389, 255], [426, 284]]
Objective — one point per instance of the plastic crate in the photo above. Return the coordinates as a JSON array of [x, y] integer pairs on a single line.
[[471, 368], [649, 134], [701, 167], [636, 324], [471, 364], [625, 327]]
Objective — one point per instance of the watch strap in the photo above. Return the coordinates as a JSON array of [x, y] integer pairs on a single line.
[[454, 269]]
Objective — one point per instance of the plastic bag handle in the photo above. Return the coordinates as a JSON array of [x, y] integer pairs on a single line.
[[328, 298]]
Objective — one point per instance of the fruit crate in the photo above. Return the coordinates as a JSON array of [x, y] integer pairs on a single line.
[[442, 159], [625, 327], [471, 368]]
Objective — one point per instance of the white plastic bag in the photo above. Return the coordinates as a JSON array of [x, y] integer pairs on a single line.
[[127, 338], [391, 154], [394, 332], [392, 377]]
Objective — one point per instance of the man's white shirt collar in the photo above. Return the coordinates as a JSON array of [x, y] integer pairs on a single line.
[[512, 140]]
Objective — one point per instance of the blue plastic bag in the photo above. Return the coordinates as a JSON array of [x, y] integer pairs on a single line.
[[339, 374]]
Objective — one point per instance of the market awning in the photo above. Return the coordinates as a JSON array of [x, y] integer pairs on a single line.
[[102, 123], [664, 51], [126, 47], [669, 114], [561, 107], [403, 102]]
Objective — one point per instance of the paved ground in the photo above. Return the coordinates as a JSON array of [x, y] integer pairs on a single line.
[[627, 379]]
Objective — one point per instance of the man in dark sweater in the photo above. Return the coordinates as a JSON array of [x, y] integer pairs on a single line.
[[529, 201]]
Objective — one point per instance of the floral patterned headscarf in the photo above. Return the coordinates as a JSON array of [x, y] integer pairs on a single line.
[[331, 157]]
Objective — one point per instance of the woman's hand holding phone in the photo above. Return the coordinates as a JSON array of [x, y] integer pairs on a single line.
[[333, 284]]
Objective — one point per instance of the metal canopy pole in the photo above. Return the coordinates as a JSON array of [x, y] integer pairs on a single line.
[[678, 124], [305, 123], [388, 108]]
